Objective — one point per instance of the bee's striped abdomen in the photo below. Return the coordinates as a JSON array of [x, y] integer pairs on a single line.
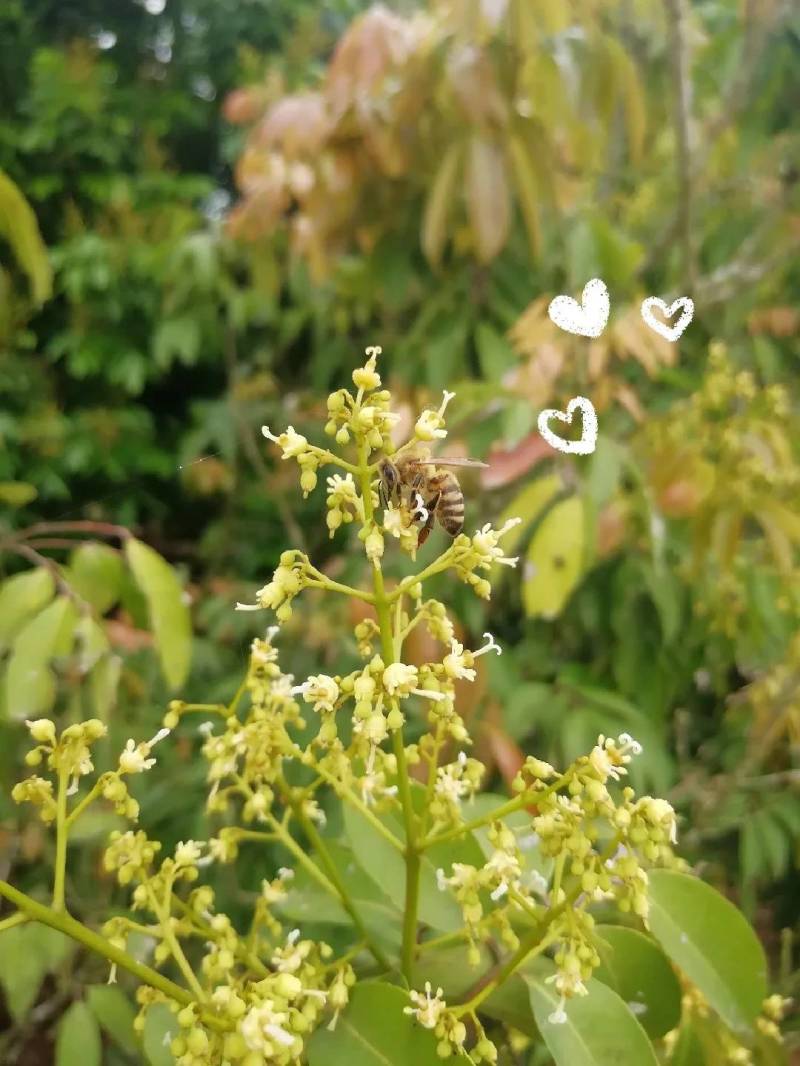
[[450, 510]]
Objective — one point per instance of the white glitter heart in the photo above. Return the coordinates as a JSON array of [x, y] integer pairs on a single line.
[[586, 445], [587, 318], [670, 332]]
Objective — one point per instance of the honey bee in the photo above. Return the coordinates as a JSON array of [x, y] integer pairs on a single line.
[[415, 479]]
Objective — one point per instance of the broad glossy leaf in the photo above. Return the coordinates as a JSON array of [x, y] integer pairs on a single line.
[[638, 971], [307, 902], [488, 202], [21, 596], [159, 1027], [599, 1030], [95, 572], [78, 1040], [28, 688], [115, 1013], [450, 969], [27, 954], [712, 942], [386, 866], [169, 614], [374, 1031], [554, 559]]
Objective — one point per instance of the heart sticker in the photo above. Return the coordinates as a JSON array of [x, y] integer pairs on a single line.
[[587, 318], [670, 332], [588, 441]]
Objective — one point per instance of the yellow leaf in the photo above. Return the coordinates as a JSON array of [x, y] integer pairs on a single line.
[[554, 560], [487, 197], [439, 204], [528, 505], [19, 227]]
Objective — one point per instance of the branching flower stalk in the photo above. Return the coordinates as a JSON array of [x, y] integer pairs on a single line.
[[281, 754]]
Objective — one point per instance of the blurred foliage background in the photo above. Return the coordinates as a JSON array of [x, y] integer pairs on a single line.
[[208, 208]]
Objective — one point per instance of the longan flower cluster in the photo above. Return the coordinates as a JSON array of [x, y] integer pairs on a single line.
[[281, 751], [70, 755], [349, 417], [602, 847]]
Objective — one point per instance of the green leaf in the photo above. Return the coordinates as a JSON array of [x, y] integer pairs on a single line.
[[19, 227], [712, 942], [20, 597], [92, 640], [159, 1024], [115, 1013], [78, 1038], [599, 1030], [103, 684], [374, 1031], [554, 560], [495, 354], [386, 866], [27, 954], [28, 682], [169, 615], [95, 572], [526, 189], [307, 902], [639, 972], [17, 493]]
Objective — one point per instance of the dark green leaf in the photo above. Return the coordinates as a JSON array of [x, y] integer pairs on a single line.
[[712, 942], [599, 1030], [159, 1027], [78, 1038], [638, 971], [374, 1031], [116, 1013]]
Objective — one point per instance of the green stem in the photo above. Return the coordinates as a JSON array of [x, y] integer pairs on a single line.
[[291, 845], [61, 842], [350, 796], [15, 919], [524, 799], [164, 915], [204, 930], [72, 928], [436, 567], [316, 841], [87, 800], [382, 603], [533, 944]]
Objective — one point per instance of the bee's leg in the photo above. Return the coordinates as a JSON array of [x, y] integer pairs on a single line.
[[430, 507]]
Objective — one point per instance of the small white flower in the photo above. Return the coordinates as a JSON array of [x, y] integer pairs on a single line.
[[427, 1008]]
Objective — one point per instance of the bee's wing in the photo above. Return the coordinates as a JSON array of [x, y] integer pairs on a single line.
[[454, 461]]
